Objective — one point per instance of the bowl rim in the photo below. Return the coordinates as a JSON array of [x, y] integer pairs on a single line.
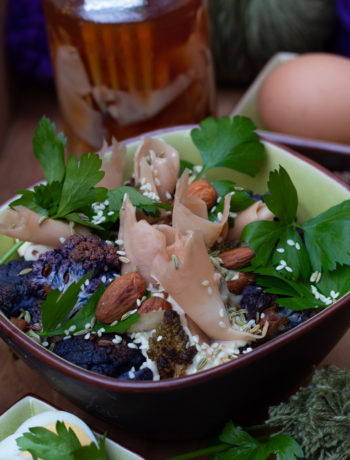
[[125, 386]]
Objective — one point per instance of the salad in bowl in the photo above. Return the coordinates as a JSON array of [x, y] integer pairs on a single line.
[[150, 264]]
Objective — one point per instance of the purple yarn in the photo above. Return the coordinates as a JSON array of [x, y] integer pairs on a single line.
[[26, 40]]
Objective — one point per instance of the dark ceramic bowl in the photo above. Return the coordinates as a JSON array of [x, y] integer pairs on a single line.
[[198, 404]]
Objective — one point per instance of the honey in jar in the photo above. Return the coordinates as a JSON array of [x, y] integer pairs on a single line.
[[123, 67]]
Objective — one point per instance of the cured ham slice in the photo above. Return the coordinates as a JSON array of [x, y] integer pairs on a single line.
[[187, 274], [190, 213], [24, 224], [156, 167], [113, 160], [255, 212], [142, 242]]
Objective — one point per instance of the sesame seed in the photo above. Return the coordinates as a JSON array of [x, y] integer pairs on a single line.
[[117, 339], [87, 336], [132, 345], [213, 208], [119, 242], [221, 313], [45, 343], [159, 338], [334, 294], [280, 250], [66, 332], [114, 323], [222, 324], [168, 195], [289, 269], [297, 246], [125, 260], [205, 282], [67, 337], [131, 374], [219, 199], [291, 243], [72, 328], [87, 282], [232, 215], [121, 253], [87, 326], [219, 215], [239, 189], [315, 277], [62, 240], [138, 302], [110, 213]]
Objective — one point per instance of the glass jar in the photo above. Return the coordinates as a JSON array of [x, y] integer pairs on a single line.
[[123, 67]]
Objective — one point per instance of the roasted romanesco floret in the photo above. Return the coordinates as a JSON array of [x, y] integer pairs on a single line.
[[169, 346]]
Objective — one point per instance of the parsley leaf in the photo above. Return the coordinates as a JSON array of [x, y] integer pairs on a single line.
[[298, 294], [337, 281], [262, 237], [283, 198], [49, 150], [141, 202], [327, 237], [47, 445], [284, 446], [294, 255], [237, 444], [240, 199], [70, 188], [78, 186], [278, 242], [185, 165], [56, 311], [56, 307], [229, 143]]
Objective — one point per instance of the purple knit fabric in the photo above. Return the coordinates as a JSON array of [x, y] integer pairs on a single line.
[[26, 40]]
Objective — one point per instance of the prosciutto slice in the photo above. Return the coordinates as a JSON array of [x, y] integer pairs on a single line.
[[187, 274], [190, 213], [156, 167], [255, 212], [24, 224], [113, 160], [142, 242]]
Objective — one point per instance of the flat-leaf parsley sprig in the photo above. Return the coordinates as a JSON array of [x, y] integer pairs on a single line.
[[291, 257], [237, 444], [70, 191], [229, 143], [47, 445]]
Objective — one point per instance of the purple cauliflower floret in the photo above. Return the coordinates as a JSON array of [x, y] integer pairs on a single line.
[[114, 360], [14, 293], [76, 257]]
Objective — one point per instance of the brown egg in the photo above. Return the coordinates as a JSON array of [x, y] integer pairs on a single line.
[[308, 96]]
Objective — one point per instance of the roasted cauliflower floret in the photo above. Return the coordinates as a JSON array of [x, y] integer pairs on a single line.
[[77, 256]]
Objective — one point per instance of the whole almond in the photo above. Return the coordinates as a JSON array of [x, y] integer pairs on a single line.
[[204, 190], [20, 323], [236, 285], [237, 258], [120, 297], [153, 304]]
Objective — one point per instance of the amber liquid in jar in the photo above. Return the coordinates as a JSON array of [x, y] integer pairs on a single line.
[[124, 67]]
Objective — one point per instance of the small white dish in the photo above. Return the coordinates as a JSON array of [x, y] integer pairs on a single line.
[[29, 406]]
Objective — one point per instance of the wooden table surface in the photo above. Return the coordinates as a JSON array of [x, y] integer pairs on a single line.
[[19, 169]]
